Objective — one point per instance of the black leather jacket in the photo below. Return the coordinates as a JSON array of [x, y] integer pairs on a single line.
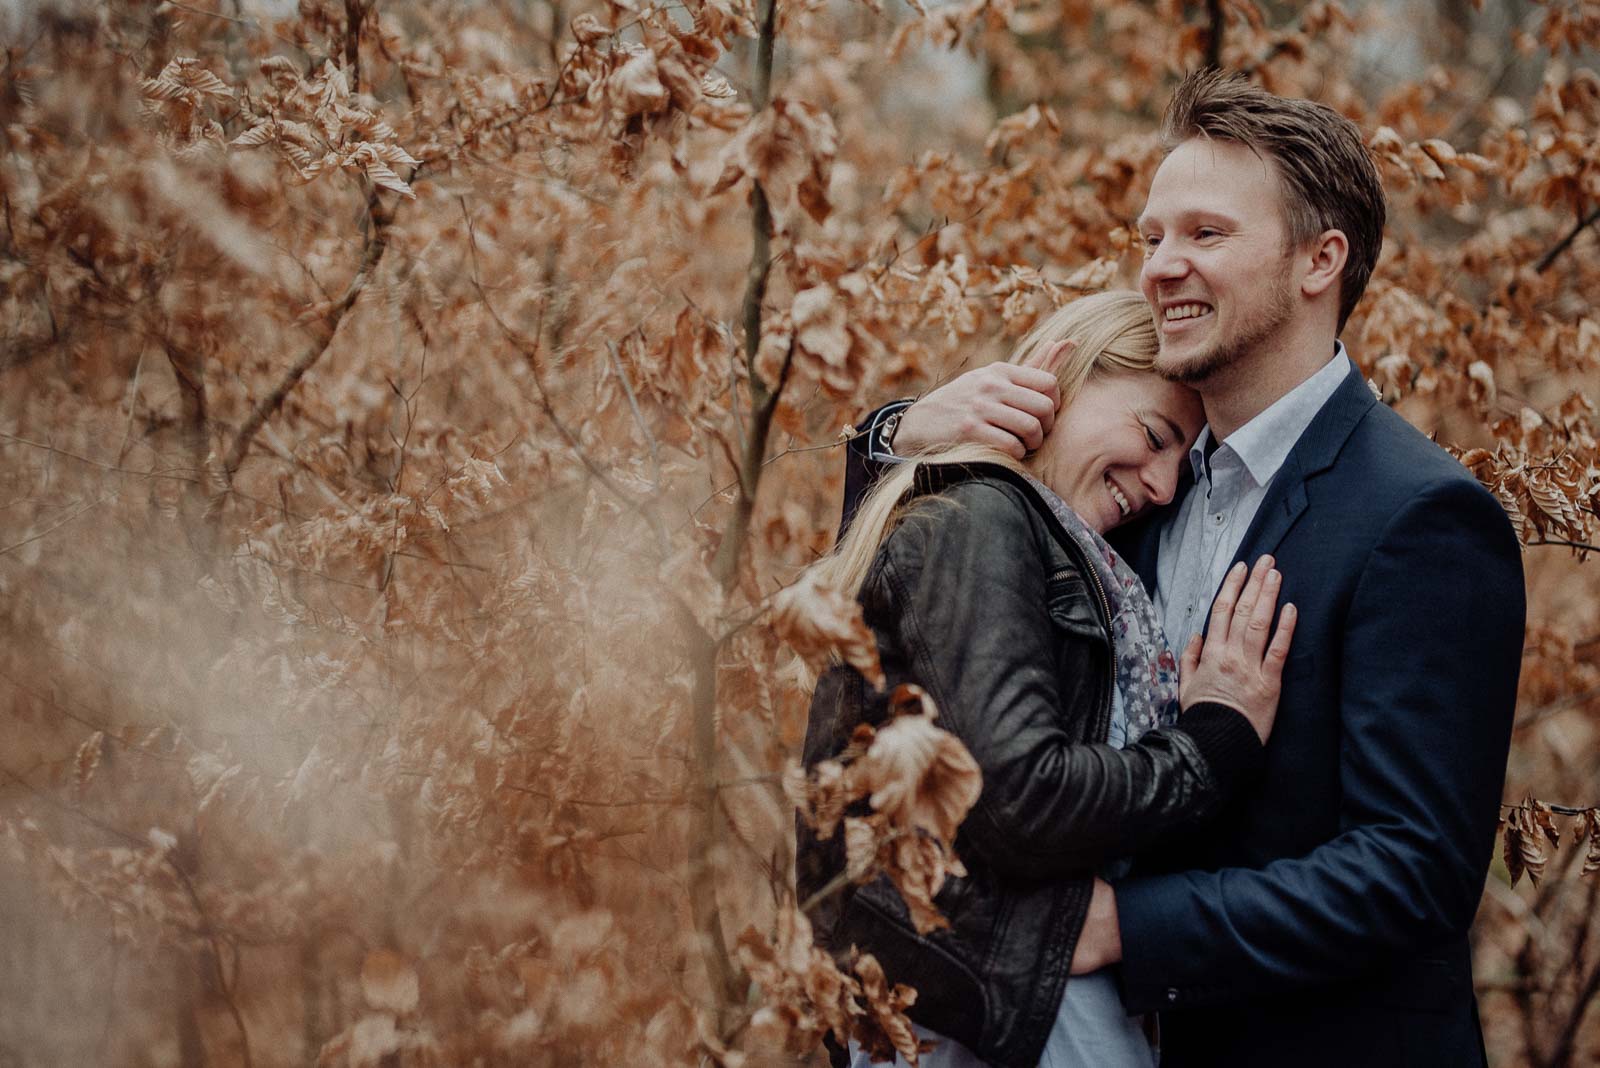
[[982, 598]]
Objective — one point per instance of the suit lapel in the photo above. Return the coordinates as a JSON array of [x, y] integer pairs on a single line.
[[1314, 453]]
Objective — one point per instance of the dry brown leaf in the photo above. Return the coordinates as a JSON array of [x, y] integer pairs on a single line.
[[821, 324], [1511, 847], [918, 866], [1589, 827], [886, 1029], [87, 759], [829, 792], [389, 982], [819, 621], [1544, 819], [1481, 384], [588, 29], [636, 87], [1532, 854], [860, 848], [919, 775]]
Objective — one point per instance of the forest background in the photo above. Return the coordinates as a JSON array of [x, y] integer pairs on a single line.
[[415, 417]]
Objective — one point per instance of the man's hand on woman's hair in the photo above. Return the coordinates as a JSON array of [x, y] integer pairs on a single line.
[[1010, 406]]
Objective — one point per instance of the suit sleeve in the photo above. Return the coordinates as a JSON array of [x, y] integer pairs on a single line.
[[865, 460], [1431, 654], [963, 582]]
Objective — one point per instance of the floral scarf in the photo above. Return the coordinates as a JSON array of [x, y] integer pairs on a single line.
[[1147, 671]]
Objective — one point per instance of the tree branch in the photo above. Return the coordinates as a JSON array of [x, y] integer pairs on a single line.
[[721, 969], [1565, 243], [1580, 546], [1560, 810], [377, 244], [1561, 1053], [530, 352], [1217, 24]]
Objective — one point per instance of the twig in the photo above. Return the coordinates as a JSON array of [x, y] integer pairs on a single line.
[[530, 353], [1566, 242], [1218, 23], [1561, 704], [638, 416], [1561, 1053], [843, 879], [251, 24], [769, 461], [725, 567], [209, 932], [1562, 810], [54, 526], [73, 810], [1578, 545], [587, 803], [371, 256], [354, 13], [133, 400]]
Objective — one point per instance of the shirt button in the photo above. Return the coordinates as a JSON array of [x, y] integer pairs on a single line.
[[1172, 995], [1217, 519]]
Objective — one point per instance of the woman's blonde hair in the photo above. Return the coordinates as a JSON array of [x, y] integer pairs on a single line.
[[1114, 332]]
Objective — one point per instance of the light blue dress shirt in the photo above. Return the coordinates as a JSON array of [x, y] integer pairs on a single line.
[[1200, 540]]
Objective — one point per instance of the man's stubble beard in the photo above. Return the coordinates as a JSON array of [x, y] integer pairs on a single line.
[[1228, 352]]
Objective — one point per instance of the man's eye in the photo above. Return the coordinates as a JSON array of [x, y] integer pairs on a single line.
[[1206, 232]]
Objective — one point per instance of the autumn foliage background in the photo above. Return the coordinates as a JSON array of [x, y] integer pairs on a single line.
[[412, 415]]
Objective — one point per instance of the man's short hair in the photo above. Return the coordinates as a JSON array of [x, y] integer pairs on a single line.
[[1328, 177]]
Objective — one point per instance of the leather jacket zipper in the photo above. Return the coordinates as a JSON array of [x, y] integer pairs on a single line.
[[1079, 554], [1102, 726]]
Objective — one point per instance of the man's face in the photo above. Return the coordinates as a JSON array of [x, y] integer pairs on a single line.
[[1216, 272]]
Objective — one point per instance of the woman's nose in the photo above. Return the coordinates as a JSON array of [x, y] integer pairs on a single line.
[[1161, 478]]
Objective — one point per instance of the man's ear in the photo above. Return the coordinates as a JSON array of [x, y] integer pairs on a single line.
[[1326, 254]]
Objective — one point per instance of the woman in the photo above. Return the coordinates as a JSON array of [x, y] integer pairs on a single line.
[[988, 583]]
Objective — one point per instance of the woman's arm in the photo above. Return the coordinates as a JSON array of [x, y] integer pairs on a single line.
[[959, 599]]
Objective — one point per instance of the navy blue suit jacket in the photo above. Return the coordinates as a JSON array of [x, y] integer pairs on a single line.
[[1322, 919]]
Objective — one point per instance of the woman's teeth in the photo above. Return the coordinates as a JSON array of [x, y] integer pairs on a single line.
[[1116, 495]]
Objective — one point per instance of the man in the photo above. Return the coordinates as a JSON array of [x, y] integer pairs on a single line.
[[1323, 920]]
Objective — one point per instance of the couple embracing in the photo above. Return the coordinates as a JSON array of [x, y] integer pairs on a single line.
[[1235, 647]]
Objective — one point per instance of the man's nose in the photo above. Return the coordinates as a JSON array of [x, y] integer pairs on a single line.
[[1165, 263]]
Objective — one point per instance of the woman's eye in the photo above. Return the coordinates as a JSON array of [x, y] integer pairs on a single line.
[[1154, 439]]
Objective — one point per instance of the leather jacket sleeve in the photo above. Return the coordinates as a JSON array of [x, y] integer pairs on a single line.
[[959, 599]]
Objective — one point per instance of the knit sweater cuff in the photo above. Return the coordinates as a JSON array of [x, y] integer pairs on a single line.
[[1228, 742]]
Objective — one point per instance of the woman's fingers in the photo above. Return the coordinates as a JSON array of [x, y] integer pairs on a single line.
[[1222, 607], [1190, 662], [1261, 613], [1246, 603], [1278, 651]]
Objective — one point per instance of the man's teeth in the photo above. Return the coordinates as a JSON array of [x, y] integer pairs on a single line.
[[1116, 495], [1186, 311]]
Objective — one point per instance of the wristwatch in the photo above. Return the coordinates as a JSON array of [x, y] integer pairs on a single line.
[[886, 431]]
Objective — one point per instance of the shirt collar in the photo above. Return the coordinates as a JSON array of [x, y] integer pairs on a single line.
[[1264, 442]]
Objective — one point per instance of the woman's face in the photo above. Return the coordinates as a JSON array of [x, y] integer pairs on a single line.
[[1117, 447]]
